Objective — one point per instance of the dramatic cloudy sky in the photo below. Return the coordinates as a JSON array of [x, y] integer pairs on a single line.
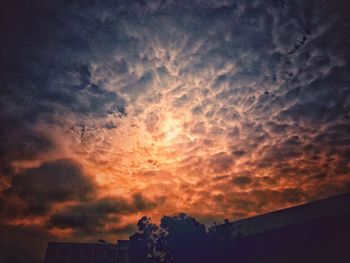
[[111, 110]]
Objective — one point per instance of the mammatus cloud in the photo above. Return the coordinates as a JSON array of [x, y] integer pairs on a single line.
[[220, 109]]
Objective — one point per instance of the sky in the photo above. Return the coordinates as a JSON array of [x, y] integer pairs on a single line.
[[111, 110]]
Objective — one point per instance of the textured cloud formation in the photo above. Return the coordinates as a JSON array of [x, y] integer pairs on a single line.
[[221, 109]]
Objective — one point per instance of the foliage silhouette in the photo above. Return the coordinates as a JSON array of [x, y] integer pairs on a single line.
[[179, 239]]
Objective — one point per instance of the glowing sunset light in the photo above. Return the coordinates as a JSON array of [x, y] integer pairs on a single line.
[[118, 109]]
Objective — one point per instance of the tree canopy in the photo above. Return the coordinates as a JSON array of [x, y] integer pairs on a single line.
[[178, 239]]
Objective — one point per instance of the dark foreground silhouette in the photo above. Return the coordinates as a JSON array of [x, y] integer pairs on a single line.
[[316, 232]]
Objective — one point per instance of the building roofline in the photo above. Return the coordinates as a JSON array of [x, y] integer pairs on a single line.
[[318, 209]]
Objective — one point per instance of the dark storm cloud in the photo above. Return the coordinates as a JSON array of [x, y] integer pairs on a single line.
[[124, 230], [45, 72], [45, 62], [92, 217], [52, 182], [19, 141]]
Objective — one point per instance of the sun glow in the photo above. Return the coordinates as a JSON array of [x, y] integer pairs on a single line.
[[171, 129]]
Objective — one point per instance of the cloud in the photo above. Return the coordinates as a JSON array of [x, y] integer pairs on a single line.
[[41, 187], [21, 141], [92, 217], [244, 204], [225, 108], [242, 180], [220, 162], [136, 89]]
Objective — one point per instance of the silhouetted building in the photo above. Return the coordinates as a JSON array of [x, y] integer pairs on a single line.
[[315, 232], [64, 252]]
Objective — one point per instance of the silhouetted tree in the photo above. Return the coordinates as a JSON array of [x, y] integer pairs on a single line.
[[183, 235], [142, 242], [179, 239], [222, 235]]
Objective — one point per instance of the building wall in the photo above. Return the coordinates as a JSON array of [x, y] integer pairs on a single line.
[[324, 240], [333, 206], [60, 252]]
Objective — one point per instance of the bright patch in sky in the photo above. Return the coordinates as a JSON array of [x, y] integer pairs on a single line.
[[219, 109]]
